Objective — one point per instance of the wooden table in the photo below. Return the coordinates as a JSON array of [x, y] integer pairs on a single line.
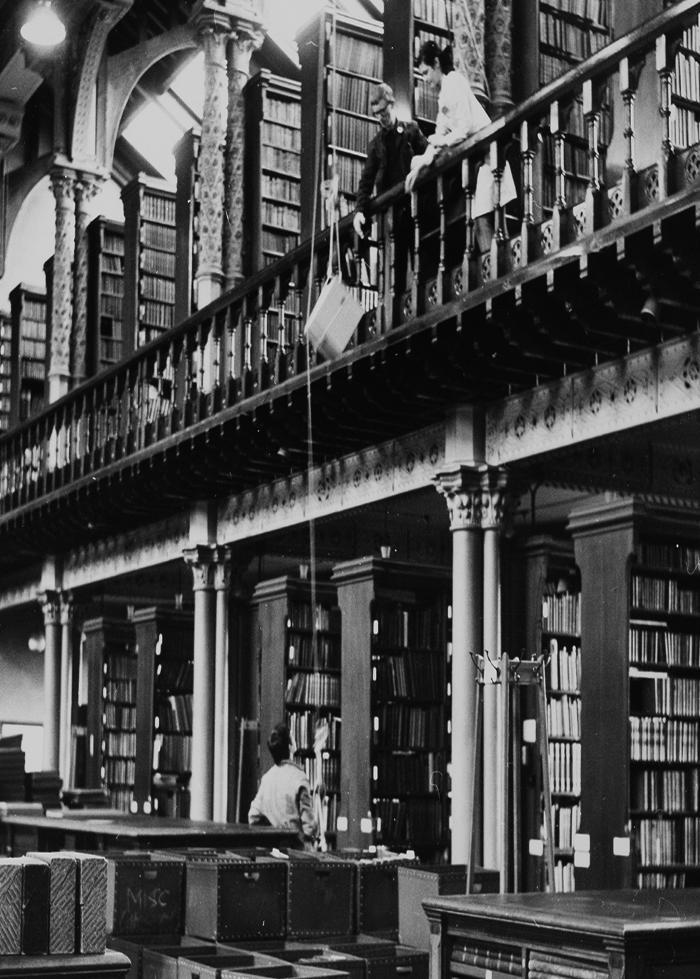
[[111, 965], [586, 935], [117, 830]]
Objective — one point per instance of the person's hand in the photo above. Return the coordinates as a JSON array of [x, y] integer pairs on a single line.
[[358, 223], [411, 178]]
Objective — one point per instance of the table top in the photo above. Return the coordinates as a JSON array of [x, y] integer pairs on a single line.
[[110, 964]]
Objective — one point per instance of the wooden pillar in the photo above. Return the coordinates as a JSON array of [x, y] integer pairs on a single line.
[[58, 373], [200, 560], [50, 606], [461, 488], [66, 687], [222, 587]]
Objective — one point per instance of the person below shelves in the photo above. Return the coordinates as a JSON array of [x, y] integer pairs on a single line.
[[460, 114], [284, 795]]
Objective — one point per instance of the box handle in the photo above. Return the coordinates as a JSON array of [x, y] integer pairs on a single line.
[[404, 970], [251, 874]]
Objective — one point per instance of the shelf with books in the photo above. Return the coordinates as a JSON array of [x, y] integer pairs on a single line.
[[298, 649], [164, 643], [110, 655], [187, 205], [5, 369], [273, 168], [685, 117], [150, 238], [28, 310], [395, 639], [105, 293]]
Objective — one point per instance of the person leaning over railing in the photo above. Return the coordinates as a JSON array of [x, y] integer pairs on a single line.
[[460, 114]]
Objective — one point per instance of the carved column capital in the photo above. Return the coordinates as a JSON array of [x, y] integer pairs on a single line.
[[50, 602], [201, 563], [494, 499], [245, 39], [67, 606], [222, 568], [462, 489]]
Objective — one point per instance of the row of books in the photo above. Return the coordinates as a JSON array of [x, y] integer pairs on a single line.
[[408, 821], [313, 688], [416, 675], [286, 137], [120, 771], [409, 727], [33, 369], [565, 767], [595, 10], [113, 307], [406, 774], [112, 264], [685, 127], [158, 207], [674, 556], [282, 214], [278, 242], [352, 132], [350, 92], [157, 287], [159, 315], [34, 349], [286, 111], [112, 283], [661, 879], [566, 820], [574, 159], [322, 618], [286, 161], [358, 55], [564, 880], [112, 242], [686, 77], [302, 727], [664, 595], [671, 840], [159, 236], [281, 188], [174, 674], [325, 656], [564, 717], [121, 716], [438, 12], [425, 103], [172, 753], [564, 670], [120, 744], [34, 327], [580, 40], [157, 262], [679, 696], [328, 772], [664, 739], [174, 714], [348, 170], [121, 797], [123, 691], [652, 645], [415, 626], [675, 790]]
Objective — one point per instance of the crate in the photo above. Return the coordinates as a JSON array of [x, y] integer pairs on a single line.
[[91, 911], [145, 894], [376, 893], [133, 947], [164, 962], [232, 899], [10, 906], [283, 971], [320, 896], [418, 882], [403, 961], [62, 901], [313, 953], [229, 960]]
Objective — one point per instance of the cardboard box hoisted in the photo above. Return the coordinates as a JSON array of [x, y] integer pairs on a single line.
[[334, 319]]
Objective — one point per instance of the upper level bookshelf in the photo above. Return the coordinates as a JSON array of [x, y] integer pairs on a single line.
[[396, 645], [5, 369], [149, 260], [273, 168], [105, 336], [187, 203], [342, 55], [164, 643], [28, 350], [298, 648], [685, 118], [111, 708]]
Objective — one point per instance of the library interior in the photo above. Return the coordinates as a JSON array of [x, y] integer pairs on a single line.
[[426, 495]]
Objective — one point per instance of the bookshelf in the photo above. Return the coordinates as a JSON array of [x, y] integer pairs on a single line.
[[664, 705], [293, 686], [273, 168], [685, 118], [105, 293], [111, 708], [5, 369], [164, 644], [29, 354], [395, 651], [351, 63], [187, 203], [149, 260]]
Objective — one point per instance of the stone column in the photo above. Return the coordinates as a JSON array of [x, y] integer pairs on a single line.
[[200, 560], [86, 187], [493, 489], [214, 28], [469, 48], [244, 41], [499, 55], [63, 186], [462, 490], [51, 607], [66, 689], [222, 587]]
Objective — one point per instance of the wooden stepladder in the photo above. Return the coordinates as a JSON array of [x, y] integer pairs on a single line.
[[511, 675]]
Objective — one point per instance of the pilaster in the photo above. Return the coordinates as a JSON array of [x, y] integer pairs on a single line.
[[87, 186], [63, 187]]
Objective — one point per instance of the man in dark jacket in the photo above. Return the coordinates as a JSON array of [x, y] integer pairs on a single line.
[[388, 162]]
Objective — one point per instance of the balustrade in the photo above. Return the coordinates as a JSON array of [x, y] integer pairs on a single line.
[[252, 338]]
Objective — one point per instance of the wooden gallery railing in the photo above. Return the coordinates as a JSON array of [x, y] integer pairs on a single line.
[[629, 153]]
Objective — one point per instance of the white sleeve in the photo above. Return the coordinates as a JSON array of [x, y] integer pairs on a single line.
[[459, 112]]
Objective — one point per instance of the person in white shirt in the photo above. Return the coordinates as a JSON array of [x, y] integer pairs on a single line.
[[284, 796], [460, 114]]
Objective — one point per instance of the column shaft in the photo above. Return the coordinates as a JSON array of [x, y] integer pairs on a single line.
[[66, 688], [492, 757], [221, 713], [52, 679], [63, 186]]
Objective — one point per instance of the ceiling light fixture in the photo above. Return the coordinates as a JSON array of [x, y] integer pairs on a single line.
[[43, 28]]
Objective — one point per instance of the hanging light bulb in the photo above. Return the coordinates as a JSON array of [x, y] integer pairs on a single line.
[[43, 28]]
